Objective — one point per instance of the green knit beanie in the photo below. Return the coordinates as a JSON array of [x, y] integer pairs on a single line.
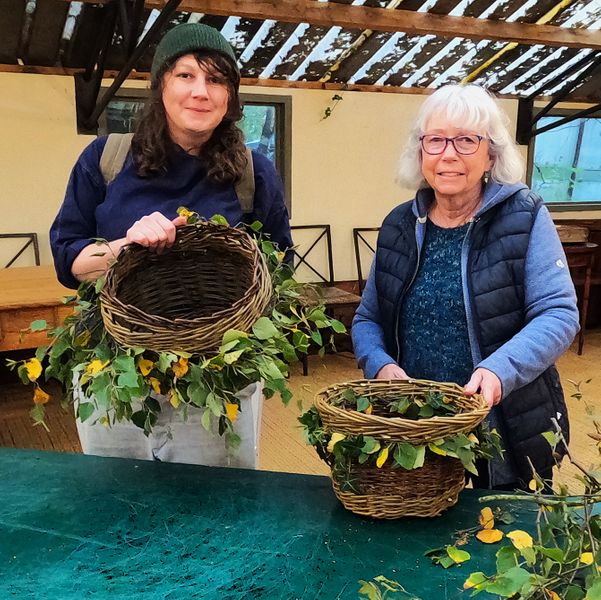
[[188, 38]]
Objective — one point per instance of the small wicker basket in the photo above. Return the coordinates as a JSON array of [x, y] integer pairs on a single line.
[[390, 493], [212, 279]]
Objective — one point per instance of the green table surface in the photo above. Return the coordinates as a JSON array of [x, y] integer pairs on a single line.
[[78, 527]]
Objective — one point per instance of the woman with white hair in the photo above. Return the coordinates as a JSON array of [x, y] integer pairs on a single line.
[[469, 282]]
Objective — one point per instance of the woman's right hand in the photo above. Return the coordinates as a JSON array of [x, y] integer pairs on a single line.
[[391, 371], [154, 231]]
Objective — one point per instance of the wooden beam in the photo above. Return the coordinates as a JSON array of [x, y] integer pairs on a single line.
[[274, 83], [330, 14], [245, 81]]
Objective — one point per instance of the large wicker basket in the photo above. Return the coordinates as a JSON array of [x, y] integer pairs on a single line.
[[212, 279], [390, 493]]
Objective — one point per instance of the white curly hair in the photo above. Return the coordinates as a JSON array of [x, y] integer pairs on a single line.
[[475, 109]]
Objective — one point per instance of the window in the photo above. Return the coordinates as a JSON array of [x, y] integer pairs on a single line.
[[565, 162], [266, 125]]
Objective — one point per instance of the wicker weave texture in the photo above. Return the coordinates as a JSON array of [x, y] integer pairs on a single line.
[[212, 279], [389, 493], [397, 429]]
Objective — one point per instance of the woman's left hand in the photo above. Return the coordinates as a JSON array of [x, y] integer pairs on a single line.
[[487, 383]]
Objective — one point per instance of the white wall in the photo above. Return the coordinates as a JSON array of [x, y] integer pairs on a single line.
[[343, 167]]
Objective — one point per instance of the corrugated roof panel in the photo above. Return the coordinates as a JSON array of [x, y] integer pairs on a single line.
[[304, 44], [11, 25], [270, 51], [539, 84], [580, 14], [326, 53], [46, 33], [420, 49]]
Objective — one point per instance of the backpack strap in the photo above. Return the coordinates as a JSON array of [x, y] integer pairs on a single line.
[[245, 188], [118, 145], [113, 156]]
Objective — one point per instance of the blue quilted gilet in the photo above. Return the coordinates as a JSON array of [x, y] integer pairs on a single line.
[[498, 243]]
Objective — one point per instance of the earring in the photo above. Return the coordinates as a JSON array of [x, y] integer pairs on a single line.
[[485, 177]]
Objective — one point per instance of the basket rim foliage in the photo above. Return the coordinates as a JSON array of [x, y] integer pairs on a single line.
[[122, 382]]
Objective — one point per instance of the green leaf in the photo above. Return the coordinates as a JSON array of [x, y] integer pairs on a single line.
[[205, 420], [231, 357], [129, 380], [594, 589], [507, 558], [219, 220], [509, 583], [165, 360], [264, 329], [232, 335], [458, 555], [214, 404], [85, 410], [552, 438], [38, 325], [408, 456], [555, 554], [316, 337], [337, 326], [475, 580], [370, 445], [37, 414], [100, 388], [363, 404], [198, 392]]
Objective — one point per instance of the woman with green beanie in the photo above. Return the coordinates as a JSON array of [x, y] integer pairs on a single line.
[[187, 151]]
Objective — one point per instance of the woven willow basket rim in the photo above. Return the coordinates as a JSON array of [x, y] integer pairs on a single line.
[[114, 300], [397, 425], [194, 334]]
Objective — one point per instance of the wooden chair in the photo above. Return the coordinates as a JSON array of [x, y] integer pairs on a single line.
[[313, 261], [580, 257], [31, 241], [364, 244]]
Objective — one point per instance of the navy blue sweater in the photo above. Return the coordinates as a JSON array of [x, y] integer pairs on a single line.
[[93, 210]]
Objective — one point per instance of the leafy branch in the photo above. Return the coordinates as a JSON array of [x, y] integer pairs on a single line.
[[116, 383]]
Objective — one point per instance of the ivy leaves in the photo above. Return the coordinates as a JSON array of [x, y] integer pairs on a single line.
[[120, 383]]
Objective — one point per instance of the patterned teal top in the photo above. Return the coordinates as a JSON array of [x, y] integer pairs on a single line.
[[432, 325]]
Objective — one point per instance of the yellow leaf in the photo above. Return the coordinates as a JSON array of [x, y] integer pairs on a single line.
[[184, 212], [486, 518], [472, 437], [336, 437], [105, 421], [586, 558], [145, 366], [489, 536], [552, 595], [180, 368], [520, 539], [382, 457], [156, 384], [34, 369], [40, 396], [174, 398], [437, 449], [231, 410], [95, 366], [369, 410]]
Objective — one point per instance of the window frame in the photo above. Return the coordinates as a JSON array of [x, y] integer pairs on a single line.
[[559, 206], [283, 128]]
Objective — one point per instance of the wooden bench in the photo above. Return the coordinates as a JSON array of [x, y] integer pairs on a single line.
[[28, 294]]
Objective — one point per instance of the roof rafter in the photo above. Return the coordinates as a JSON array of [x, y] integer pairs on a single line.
[[330, 14]]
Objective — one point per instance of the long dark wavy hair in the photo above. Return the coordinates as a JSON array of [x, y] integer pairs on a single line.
[[224, 153]]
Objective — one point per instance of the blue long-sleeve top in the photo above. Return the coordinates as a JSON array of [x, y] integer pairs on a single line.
[[550, 310], [92, 209]]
